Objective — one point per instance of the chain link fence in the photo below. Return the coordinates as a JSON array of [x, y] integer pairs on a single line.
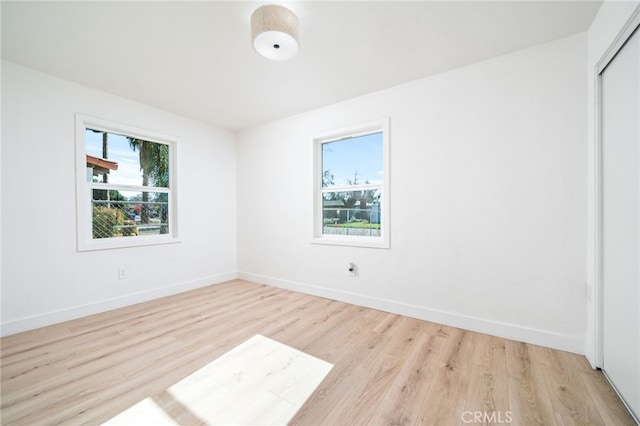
[[113, 219]]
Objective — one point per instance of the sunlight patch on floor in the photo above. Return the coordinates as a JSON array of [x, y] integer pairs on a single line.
[[261, 381]]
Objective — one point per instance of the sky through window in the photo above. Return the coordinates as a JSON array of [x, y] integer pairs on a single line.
[[361, 154]]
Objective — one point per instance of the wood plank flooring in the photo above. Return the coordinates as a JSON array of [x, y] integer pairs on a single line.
[[274, 379], [388, 369]]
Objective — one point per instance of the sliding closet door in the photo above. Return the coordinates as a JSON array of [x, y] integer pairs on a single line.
[[621, 221]]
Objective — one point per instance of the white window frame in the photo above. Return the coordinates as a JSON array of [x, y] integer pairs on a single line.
[[376, 126], [84, 217]]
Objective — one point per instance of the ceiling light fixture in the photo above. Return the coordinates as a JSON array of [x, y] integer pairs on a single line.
[[275, 32]]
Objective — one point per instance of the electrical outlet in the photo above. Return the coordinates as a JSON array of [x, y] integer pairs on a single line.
[[353, 269], [123, 272]]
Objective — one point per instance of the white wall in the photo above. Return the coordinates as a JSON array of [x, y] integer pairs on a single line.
[[488, 199], [44, 278], [610, 19], [488, 193]]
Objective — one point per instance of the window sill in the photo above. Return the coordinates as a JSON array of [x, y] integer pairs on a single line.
[[125, 242], [351, 242]]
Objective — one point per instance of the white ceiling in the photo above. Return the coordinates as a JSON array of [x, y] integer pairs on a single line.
[[195, 58]]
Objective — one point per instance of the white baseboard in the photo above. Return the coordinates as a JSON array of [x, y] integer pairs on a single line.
[[495, 328], [54, 317]]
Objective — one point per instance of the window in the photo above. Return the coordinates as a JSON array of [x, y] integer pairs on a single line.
[[125, 186], [351, 178]]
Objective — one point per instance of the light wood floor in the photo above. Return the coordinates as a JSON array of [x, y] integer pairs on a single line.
[[388, 369]]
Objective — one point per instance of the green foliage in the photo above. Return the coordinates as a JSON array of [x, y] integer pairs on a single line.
[[359, 224], [327, 178], [114, 195], [154, 164], [106, 221], [350, 199]]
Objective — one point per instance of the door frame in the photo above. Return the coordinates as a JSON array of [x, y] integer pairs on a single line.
[[629, 28]]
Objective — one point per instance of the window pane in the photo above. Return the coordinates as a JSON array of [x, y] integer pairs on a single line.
[[351, 213], [118, 159], [128, 213], [353, 161]]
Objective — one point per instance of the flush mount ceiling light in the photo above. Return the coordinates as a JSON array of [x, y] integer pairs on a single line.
[[275, 33]]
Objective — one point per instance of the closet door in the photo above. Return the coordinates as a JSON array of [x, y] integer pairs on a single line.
[[621, 221]]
